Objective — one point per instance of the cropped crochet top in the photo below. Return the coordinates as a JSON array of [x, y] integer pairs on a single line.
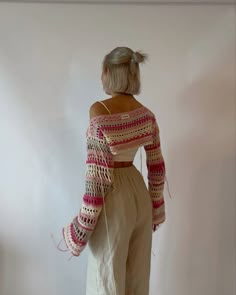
[[108, 137]]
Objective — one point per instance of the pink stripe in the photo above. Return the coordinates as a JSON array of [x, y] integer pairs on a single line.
[[96, 201], [157, 184], [153, 147], [157, 204], [157, 167], [86, 228]]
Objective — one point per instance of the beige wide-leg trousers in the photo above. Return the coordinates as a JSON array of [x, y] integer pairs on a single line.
[[121, 265]]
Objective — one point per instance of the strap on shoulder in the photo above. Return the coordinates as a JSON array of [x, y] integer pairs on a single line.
[[105, 106]]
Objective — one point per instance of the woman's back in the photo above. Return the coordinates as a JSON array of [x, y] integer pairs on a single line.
[[125, 104], [119, 104]]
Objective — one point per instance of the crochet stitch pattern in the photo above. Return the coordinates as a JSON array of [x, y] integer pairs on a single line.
[[106, 136]]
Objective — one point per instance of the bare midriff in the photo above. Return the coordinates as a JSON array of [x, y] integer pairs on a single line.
[[122, 164]]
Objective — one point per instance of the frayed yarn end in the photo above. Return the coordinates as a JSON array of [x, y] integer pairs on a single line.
[[57, 245], [168, 187]]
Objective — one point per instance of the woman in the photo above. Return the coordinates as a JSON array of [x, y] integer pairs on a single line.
[[118, 212]]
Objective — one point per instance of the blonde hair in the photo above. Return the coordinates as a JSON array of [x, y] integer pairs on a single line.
[[121, 71]]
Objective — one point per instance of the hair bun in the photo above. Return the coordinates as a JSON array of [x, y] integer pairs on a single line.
[[139, 57]]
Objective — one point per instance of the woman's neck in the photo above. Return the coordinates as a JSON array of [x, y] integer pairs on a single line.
[[114, 94]]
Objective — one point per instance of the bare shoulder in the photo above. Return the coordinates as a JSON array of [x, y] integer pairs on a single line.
[[115, 105], [97, 109]]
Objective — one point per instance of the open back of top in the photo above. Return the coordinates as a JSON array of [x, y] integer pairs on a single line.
[[127, 123]]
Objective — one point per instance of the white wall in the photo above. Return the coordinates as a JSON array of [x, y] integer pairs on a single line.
[[50, 63]]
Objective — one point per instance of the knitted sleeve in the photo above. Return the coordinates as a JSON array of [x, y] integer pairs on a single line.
[[156, 176], [98, 181]]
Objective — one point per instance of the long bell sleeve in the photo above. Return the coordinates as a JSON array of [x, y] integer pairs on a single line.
[[98, 181], [156, 176]]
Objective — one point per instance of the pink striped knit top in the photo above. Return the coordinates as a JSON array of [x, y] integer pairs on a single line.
[[108, 136]]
